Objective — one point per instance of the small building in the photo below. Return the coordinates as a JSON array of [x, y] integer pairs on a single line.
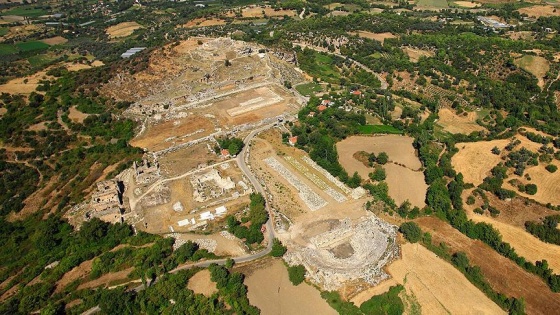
[[356, 92], [292, 141], [326, 102], [225, 153], [321, 108], [311, 114]]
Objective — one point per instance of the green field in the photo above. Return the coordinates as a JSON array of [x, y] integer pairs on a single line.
[[6, 49], [40, 60], [319, 65], [4, 31], [30, 12], [372, 129], [432, 3], [31, 46], [309, 89]]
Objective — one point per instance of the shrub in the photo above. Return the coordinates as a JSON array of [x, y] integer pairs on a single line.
[[470, 200], [531, 189], [551, 168], [278, 250], [296, 274], [411, 231]]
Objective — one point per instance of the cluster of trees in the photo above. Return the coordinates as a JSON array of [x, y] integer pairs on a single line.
[[296, 274], [547, 231], [250, 226], [233, 145], [232, 289], [387, 303]]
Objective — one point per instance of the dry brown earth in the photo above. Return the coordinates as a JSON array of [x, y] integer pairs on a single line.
[[475, 159], [201, 283], [523, 242], [106, 279], [204, 22], [540, 10], [376, 36], [272, 292], [122, 29], [55, 40], [437, 285], [548, 184], [414, 53], [467, 4], [21, 86], [453, 123], [536, 65], [76, 116], [503, 274]]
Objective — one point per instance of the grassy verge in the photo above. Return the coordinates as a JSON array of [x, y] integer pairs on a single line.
[[373, 129]]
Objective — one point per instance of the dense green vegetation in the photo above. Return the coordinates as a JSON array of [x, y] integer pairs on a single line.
[[278, 249], [547, 231], [256, 217], [388, 303], [296, 274], [411, 231], [233, 145], [373, 129]]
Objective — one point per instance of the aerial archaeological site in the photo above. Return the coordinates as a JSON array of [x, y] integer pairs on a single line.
[[279, 157]]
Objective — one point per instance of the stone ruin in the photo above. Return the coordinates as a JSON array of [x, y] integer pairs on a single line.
[[211, 185], [146, 172], [107, 199], [348, 252]]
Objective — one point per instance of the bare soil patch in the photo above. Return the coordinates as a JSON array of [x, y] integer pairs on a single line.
[[271, 291], [548, 184], [76, 116], [414, 53], [437, 285], [106, 279], [475, 159], [502, 274], [201, 283], [122, 29], [540, 10], [76, 66], [57, 40], [257, 11], [467, 4], [405, 180], [536, 65], [376, 36], [168, 133], [24, 85], [524, 243], [453, 123], [78, 272], [38, 127], [204, 22], [181, 161]]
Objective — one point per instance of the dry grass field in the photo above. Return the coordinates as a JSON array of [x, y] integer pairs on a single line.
[[76, 116], [404, 180], [106, 279], [259, 12], [200, 22], [123, 29], [183, 160], [453, 123], [548, 184], [201, 283], [524, 243], [540, 10], [467, 4], [376, 36], [438, 287], [475, 159], [58, 40], [537, 66], [24, 85], [272, 292], [502, 274], [414, 53]]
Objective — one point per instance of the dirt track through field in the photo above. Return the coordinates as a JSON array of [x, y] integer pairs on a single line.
[[503, 274]]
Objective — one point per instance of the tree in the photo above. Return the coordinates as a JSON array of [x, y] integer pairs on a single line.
[[551, 168], [378, 174], [382, 158], [229, 263], [296, 274], [278, 250], [227, 63], [531, 189], [411, 231]]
